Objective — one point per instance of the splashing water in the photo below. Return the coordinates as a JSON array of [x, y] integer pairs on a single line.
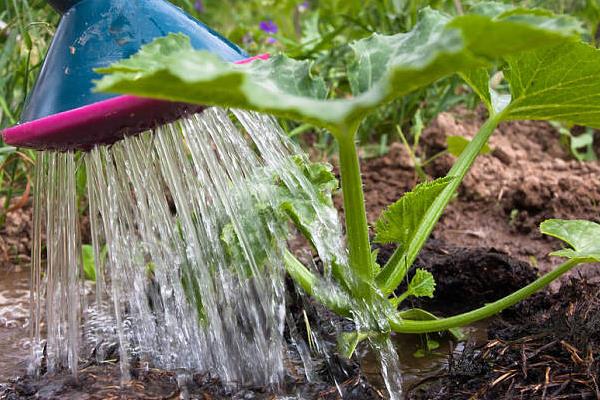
[[188, 248]]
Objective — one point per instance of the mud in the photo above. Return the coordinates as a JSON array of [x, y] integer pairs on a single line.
[[545, 348], [328, 376]]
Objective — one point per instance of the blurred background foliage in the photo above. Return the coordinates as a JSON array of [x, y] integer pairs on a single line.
[[317, 30]]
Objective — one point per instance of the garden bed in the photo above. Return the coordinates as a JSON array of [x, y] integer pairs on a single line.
[[486, 246]]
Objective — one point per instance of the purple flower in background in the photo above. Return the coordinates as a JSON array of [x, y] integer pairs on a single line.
[[304, 6], [268, 26], [199, 6]]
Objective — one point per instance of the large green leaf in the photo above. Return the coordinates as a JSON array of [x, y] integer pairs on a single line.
[[385, 67], [493, 30], [556, 83], [582, 236]]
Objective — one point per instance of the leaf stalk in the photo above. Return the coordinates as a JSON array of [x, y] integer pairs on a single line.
[[357, 228], [442, 324], [395, 270]]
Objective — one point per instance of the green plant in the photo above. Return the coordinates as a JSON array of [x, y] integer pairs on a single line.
[[581, 147], [535, 51]]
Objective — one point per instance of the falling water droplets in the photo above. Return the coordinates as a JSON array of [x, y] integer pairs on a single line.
[[188, 252]]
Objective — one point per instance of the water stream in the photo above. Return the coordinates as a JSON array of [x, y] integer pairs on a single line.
[[188, 248]]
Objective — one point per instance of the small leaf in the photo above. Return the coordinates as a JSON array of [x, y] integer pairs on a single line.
[[422, 284], [299, 206], [89, 263], [397, 224], [430, 346], [479, 80], [583, 237], [457, 144]]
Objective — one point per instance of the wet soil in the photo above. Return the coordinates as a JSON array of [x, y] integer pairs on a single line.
[[544, 348], [486, 246], [327, 376]]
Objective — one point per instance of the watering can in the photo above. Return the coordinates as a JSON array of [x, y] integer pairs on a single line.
[[63, 113]]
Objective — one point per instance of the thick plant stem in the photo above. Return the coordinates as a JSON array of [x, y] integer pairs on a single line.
[[395, 270], [357, 229], [442, 324]]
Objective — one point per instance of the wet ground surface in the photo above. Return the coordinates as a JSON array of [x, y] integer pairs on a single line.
[[547, 347], [486, 245], [14, 316]]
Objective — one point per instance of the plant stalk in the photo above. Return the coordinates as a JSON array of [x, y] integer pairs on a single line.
[[309, 283], [357, 229], [442, 324], [396, 268]]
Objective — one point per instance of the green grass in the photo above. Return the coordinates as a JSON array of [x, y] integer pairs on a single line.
[[25, 32]]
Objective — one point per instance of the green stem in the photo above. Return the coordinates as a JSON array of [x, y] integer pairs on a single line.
[[301, 129], [310, 284], [395, 270], [442, 324], [357, 229]]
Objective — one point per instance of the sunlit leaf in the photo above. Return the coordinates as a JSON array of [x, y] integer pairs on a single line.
[[397, 224], [582, 236], [556, 83], [89, 262], [385, 67], [457, 144], [422, 284]]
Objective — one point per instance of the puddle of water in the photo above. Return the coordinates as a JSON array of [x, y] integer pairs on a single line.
[[416, 369], [14, 320]]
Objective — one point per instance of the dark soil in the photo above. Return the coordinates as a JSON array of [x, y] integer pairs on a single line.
[[547, 347], [466, 278]]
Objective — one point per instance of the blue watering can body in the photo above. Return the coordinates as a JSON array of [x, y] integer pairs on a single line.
[[96, 33]]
